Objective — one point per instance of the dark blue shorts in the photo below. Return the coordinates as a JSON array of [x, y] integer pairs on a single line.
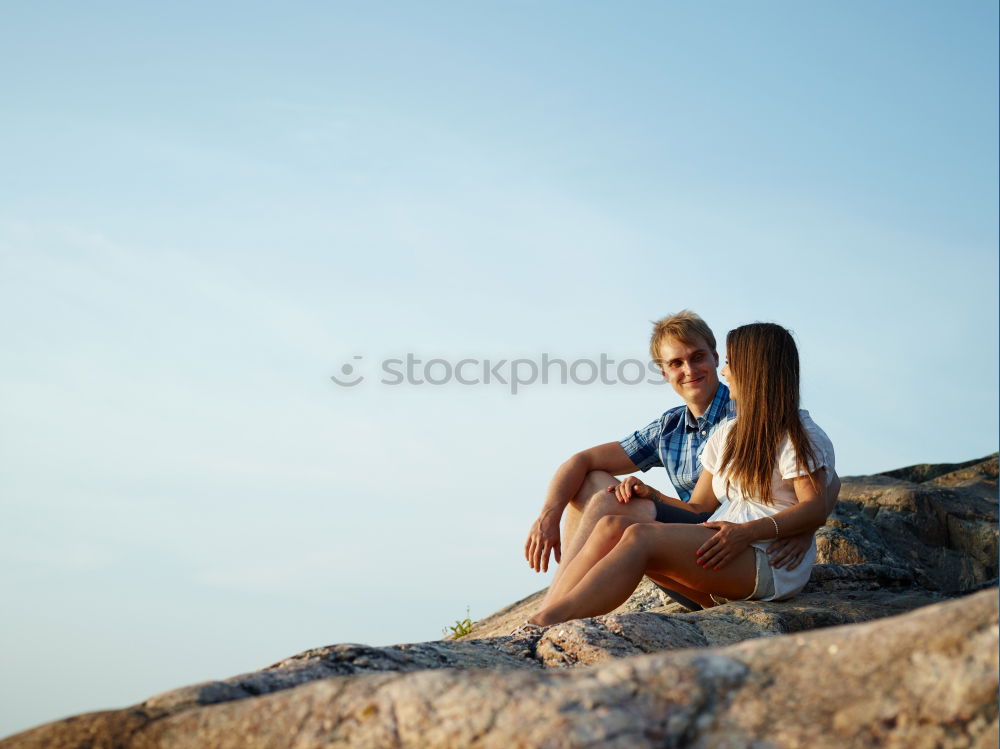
[[669, 514]]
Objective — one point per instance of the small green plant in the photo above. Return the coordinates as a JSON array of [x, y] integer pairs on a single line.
[[461, 627]]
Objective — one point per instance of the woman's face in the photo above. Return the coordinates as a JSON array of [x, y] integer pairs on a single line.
[[728, 374]]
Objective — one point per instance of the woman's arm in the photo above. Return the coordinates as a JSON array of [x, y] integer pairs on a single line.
[[789, 551], [807, 514], [702, 498]]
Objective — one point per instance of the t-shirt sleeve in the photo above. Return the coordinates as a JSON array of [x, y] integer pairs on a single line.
[[641, 446], [711, 454], [788, 464]]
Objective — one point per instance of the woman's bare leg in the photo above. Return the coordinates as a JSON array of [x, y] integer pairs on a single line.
[[668, 549], [698, 596]]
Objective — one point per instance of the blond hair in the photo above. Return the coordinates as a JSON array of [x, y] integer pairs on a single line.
[[685, 326]]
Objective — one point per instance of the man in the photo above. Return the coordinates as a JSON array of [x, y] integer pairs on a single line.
[[585, 485]]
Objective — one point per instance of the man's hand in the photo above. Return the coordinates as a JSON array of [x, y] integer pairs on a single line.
[[542, 539], [789, 552], [632, 487], [729, 540]]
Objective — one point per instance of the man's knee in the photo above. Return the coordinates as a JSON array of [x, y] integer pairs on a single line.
[[594, 484], [605, 503]]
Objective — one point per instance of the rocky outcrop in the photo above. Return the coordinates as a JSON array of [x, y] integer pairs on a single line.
[[924, 679], [900, 548]]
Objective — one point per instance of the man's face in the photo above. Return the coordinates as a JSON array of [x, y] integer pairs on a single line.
[[690, 370]]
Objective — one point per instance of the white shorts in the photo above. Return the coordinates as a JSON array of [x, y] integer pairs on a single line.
[[763, 586]]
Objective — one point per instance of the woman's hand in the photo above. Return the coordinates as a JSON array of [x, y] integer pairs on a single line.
[[729, 540], [632, 487]]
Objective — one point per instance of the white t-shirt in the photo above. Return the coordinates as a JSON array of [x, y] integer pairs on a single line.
[[737, 508]]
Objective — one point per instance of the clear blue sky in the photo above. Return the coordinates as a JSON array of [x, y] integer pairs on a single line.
[[207, 209]]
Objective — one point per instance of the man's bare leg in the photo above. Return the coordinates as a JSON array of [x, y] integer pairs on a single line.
[[594, 482], [605, 536], [594, 502], [584, 511]]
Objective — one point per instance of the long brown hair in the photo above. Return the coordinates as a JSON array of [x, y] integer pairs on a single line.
[[764, 363]]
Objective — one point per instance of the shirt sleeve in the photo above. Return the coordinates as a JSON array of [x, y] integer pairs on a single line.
[[711, 454], [788, 464], [641, 446]]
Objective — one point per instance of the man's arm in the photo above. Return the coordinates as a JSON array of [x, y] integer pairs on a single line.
[[832, 492], [544, 535], [789, 552]]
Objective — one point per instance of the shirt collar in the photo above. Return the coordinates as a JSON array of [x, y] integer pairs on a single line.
[[715, 412]]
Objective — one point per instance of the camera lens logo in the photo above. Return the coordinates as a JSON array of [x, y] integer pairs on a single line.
[[348, 371]]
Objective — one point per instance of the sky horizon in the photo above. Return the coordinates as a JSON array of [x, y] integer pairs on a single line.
[[213, 209]]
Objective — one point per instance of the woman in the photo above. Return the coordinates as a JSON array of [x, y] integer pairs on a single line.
[[764, 478]]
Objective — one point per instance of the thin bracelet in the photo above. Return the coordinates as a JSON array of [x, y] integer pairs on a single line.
[[776, 531]]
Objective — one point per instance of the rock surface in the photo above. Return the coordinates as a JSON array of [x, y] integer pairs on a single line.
[[902, 544]]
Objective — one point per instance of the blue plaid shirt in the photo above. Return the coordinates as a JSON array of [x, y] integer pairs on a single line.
[[676, 439]]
